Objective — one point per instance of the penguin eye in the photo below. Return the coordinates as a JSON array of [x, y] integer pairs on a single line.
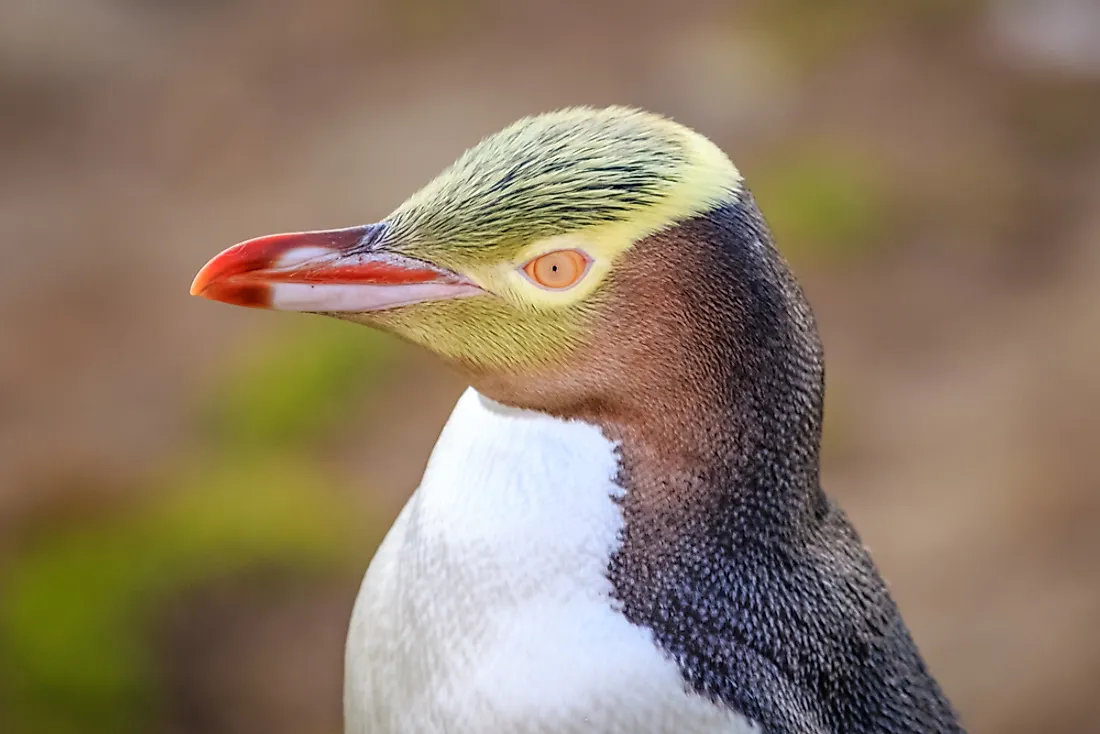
[[557, 270]]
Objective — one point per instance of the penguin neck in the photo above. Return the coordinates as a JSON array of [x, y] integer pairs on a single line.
[[727, 422], [753, 462]]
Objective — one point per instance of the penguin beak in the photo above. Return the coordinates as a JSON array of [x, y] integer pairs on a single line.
[[338, 270]]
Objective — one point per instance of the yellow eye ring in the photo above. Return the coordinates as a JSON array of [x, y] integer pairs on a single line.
[[557, 270]]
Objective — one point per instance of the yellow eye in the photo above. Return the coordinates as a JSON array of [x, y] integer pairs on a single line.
[[557, 270]]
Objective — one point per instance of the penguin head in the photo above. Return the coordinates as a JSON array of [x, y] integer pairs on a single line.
[[547, 261]]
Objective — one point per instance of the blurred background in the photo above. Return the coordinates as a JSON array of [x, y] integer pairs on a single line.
[[189, 493]]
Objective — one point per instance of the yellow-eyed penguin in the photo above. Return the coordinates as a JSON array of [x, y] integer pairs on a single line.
[[621, 529]]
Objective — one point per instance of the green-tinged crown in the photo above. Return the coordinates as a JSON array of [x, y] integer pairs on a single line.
[[561, 172]]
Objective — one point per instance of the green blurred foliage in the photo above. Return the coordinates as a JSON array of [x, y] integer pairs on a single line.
[[811, 33], [824, 205], [426, 22], [76, 606], [289, 391]]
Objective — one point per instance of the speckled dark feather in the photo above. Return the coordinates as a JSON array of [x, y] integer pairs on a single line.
[[750, 578]]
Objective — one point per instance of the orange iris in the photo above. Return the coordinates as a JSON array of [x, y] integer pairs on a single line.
[[557, 270]]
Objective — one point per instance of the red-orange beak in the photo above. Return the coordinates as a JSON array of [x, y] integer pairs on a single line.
[[326, 271]]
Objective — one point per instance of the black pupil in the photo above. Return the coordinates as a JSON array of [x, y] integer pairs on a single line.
[[554, 268]]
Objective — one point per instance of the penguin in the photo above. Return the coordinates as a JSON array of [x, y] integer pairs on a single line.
[[622, 527]]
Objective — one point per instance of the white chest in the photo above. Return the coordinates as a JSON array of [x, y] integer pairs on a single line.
[[487, 608]]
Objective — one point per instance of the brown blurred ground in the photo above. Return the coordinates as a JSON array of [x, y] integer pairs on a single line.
[[957, 291]]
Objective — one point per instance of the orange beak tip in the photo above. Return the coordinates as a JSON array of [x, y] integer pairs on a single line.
[[198, 284]]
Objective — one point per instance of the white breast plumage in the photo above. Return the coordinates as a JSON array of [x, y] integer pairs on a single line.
[[488, 609]]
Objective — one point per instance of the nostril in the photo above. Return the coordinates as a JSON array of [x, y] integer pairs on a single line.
[[372, 235]]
